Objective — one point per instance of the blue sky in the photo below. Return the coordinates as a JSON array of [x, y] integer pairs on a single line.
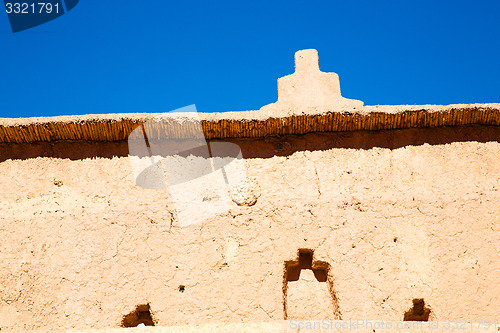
[[155, 56]]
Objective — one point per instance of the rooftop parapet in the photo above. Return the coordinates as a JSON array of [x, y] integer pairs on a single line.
[[309, 87]]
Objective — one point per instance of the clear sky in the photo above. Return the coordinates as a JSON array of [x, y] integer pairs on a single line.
[[155, 56]]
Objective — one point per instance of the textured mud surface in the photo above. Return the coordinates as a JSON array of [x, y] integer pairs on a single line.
[[397, 215]]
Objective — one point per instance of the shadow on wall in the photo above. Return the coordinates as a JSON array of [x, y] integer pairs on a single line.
[[271, 146], [419, 312], [141, 315], [309, 296]]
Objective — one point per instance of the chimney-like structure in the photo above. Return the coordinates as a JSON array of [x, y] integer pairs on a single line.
[[309, 88]]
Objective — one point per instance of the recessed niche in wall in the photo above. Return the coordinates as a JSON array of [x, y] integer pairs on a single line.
[[308, 289], [141, 315], [419, 312]]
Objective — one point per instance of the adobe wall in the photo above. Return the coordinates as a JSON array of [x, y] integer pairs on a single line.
[[397, 215]]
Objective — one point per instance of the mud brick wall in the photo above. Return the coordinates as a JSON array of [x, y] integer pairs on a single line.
[[388, 216]]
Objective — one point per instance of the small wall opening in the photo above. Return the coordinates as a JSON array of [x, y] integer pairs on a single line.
[[141, 315], [418, 312], [308, 288], [305, 261]]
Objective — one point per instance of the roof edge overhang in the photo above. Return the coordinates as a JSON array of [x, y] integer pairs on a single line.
[[251, 124]]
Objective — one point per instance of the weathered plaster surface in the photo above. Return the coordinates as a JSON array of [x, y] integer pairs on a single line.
[[81, 245]]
